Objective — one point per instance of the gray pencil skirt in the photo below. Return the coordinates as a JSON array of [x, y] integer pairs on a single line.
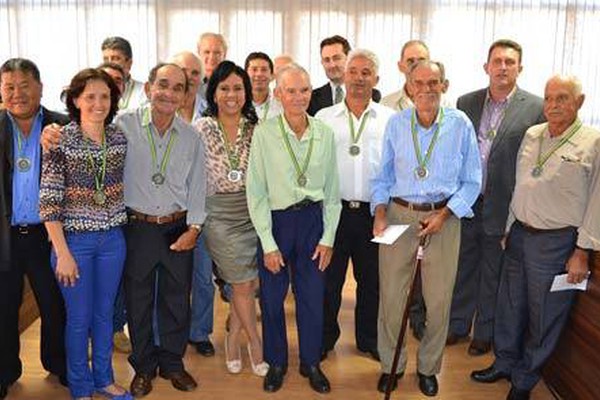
[[230, 237]]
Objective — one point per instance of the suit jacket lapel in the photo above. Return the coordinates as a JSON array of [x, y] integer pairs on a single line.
[[512, 110], [6, 141], [477, 111]]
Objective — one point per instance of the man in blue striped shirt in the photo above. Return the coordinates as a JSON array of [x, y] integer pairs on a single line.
[[429, 178]]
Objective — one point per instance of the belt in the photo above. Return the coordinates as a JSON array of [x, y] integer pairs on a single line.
[[531, 229], [420, 206], [153, 219], [25, 229], [302, 204], [355, 204]]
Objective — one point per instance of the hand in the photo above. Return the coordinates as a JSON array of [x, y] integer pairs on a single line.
[[434, 222], [50, 136], [67, 272], [380, 222], [185, 242], [577, 266], [323, 253], [503, 242], [274, 261]]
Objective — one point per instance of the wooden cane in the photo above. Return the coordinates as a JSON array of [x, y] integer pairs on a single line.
[[419, 257]]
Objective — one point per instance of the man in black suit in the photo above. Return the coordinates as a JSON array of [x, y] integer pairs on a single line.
[[334, 51], [24, 246], [501, 113]]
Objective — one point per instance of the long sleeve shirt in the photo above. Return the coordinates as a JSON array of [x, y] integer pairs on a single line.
[[271, 183], [454, 167]]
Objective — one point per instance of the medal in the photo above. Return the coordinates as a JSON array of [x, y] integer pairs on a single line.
[[354, 150], [234, 175], [158, 179], [99, 197], [537, 171], [302, 181], [491, 134], [421, 172], [23, 164]]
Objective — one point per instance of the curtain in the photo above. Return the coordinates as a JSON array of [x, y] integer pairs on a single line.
[[63, 36]]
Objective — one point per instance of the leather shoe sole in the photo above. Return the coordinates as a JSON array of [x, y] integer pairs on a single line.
[[428, 384], [383, 381], [181, 380], [489, 375], [141, 385], [316, 378], [479, 347], [274, 379]]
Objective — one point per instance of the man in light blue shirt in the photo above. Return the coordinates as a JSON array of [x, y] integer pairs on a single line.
[[429, 178]]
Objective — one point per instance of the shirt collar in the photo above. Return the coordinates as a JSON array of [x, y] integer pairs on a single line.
[[307, 133], [37, 122], [342, 109], [147, 118], [488, 97]]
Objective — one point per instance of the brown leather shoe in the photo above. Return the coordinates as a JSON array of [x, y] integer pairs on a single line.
[[479, 347], [141, 385], [181, 380], [453, 338]]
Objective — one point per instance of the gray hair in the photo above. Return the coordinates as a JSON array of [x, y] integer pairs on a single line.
[[217, 36], [184, 54], [429, 63], [364, 53], [571, 80], [291, 67]]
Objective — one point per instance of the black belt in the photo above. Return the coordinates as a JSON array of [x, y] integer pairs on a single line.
[[531, 229], [355, 205], [26, 229], [420, 206], [302, 204]]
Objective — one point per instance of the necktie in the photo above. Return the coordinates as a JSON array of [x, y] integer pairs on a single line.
[[339, 94]]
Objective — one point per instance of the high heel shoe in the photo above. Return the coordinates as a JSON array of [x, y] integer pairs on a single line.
[[259, 369], [233, 366]]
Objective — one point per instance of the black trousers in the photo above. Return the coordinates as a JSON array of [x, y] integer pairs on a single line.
[[353, 241], [31, 256], [148, 254]]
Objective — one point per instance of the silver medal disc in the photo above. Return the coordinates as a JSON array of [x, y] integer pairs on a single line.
[[302, 181], [421, 172], [234, 175], [23, 164], [99, 197], [158, 178], [354, 150], [537, 171], [491, 134]]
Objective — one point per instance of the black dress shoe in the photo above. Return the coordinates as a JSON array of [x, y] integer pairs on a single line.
[[63, 380], [489, 375], [204, 348], [517, 394], [141, 385], [479, 347], [180, 380], [428, 384], [383, 381], [317, 379], [3, 390], [274, 379]]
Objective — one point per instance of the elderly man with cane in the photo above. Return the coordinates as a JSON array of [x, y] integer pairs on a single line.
[[429, 178]]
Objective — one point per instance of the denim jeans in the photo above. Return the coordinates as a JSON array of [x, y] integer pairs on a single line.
[[203, 294], [100, 257]]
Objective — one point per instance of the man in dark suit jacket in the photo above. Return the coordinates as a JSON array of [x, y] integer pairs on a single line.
[[24, 246], [334, 51], [500, 114]]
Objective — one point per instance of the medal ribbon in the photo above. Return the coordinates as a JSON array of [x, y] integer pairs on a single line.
[[413, 129], [232, 151], [542, 158], [266, 111], [299, 171], [356, 136], [98, 171], [166, 155]]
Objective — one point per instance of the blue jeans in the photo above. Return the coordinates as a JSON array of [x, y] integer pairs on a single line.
[[100, 257], [203, 294]]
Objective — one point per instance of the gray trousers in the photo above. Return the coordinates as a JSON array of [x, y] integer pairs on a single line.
[[438, 271], [529, 318]]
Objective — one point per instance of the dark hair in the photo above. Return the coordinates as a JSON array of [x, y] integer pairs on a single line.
[[23, 65], [118, 43], [113, 66], [507, 43], [222, 72], [336, 39], [77, 86], [257, 55], [154, 72]]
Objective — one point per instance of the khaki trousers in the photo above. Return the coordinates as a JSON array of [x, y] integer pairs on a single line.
[[438, 272]]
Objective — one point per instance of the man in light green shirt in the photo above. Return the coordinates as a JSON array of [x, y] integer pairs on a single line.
[[293, 197]]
